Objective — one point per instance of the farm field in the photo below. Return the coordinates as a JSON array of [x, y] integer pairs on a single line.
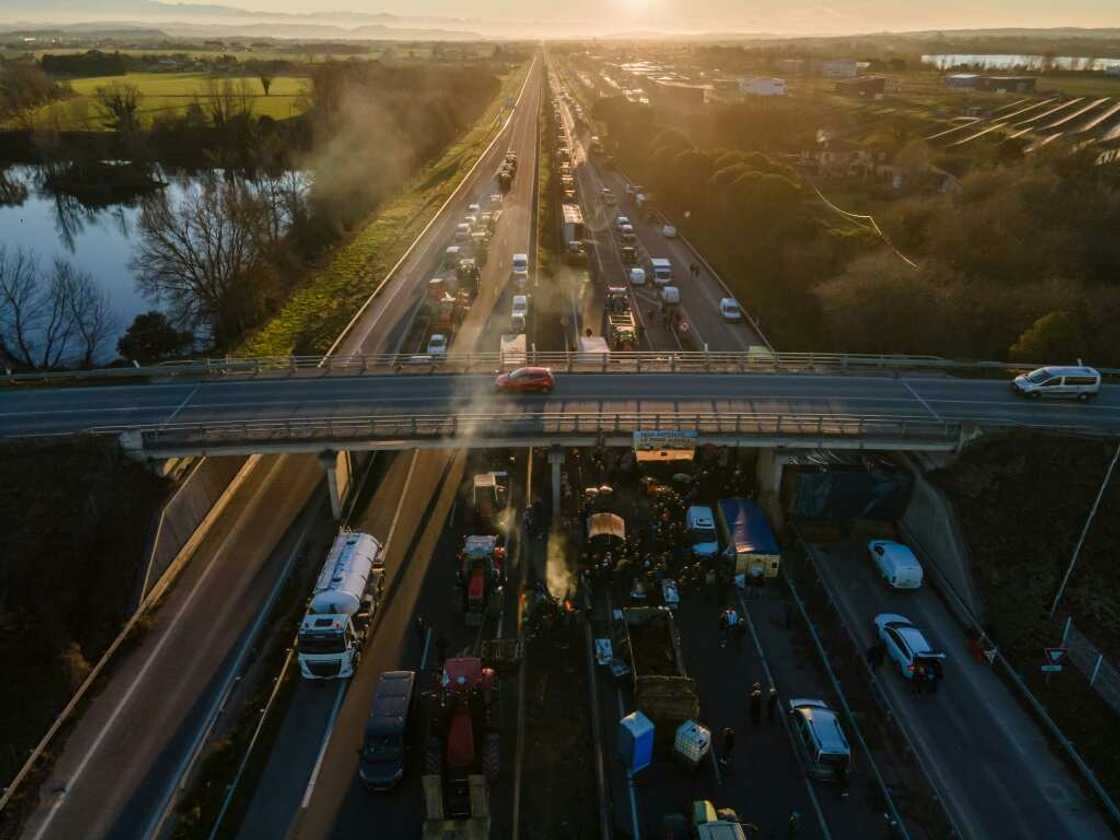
[[169, 93]]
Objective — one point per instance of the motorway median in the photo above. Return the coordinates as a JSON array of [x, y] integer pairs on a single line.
[[318, 312]]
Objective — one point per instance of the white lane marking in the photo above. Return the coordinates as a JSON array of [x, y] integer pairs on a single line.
[[183, 404], [342, 684], [155, 826], [918, 397], [71, 782], [427, 647]]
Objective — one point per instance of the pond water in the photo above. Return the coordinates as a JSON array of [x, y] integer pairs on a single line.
[[1019, 62], [97, 240]]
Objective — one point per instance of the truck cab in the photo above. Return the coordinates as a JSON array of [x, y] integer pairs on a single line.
[[345, 597], [662, 270]]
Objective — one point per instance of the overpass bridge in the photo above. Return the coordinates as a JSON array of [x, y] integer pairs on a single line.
[[385, 402]]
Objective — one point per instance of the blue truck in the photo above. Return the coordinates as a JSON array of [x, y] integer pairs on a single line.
[[747, 543]]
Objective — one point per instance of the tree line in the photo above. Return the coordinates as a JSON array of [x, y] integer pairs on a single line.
[[1018, 263]]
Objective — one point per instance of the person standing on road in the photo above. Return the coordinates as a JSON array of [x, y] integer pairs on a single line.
[[792, 825], [728, 746], [772, 705], [756, 703]]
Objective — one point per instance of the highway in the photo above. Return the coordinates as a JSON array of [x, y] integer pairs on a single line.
[[993, 764], [69, 411], [118, 767]]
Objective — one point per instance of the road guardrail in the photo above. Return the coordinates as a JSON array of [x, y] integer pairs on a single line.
[[756, 360]]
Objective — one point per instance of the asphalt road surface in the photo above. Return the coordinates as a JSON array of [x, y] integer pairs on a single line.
[[62, 411], [987, 754]]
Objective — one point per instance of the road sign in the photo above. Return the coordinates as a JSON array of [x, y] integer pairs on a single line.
[[1051, 669], [1054, 655], [665, 439]]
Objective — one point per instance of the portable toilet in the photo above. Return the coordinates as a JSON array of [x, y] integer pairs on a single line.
[[692, 743], [635, 742]]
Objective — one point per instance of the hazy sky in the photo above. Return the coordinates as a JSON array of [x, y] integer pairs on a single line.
[[794, 16]]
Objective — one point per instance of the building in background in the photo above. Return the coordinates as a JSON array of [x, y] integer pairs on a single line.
[[865, 86], [762, 86], [962, 80], [679, 96], [839, 68], [1009, 84]]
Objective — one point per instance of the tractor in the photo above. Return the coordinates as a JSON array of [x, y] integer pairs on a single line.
[[462, 755]]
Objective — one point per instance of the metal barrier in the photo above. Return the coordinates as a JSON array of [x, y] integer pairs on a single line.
[[388, 431], [758, 360]]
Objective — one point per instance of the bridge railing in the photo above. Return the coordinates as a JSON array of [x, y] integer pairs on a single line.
[[464, 427], [756, 360]]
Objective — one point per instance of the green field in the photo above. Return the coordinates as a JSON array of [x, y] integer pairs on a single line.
[[168, 93]]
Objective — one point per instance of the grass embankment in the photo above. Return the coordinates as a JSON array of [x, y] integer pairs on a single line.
[[75, 518], [317, 312], [166, 94], [1022, 501]]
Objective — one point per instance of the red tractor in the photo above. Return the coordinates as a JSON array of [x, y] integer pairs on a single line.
[[481, 576], [464, 743]]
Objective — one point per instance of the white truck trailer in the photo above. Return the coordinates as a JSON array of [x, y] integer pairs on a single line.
[[346, 594]]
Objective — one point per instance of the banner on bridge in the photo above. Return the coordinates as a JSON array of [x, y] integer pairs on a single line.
[[665, 445]]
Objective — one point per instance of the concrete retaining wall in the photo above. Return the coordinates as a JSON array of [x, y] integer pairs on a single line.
[[184, 513], [931, 524]]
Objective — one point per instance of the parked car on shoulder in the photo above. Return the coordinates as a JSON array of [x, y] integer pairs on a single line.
[[1077, 382], [820, 739], [526, 379], [896, 563], [907, 646]]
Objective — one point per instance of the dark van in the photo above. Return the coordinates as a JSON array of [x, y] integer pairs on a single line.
[[381, 761]]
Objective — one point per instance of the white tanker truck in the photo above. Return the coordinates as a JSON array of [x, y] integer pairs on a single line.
[[342, 604]]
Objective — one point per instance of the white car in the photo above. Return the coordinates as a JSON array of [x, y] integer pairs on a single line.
[[896, 563], [495, 199], [520, 272], [473, 209], [907, 646], [729, 309], [622, 221], [637, 277], [462, 231], [520, 313], [437, 345], [669, 232], [608, 196]]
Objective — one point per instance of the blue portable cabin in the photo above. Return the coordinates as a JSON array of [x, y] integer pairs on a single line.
[[748, 543]]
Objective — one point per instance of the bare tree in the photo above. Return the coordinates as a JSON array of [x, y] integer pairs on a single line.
[[92, 319], [19, 293], [192, 254], [120, 106], [226, 101]]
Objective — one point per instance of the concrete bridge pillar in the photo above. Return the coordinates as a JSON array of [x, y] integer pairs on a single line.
[[769, 476], [338, 469], [556, 459]]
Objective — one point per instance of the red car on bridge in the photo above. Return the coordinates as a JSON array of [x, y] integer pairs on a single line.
[[526, 379]]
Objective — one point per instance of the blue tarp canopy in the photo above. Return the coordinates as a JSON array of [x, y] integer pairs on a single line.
[[748, 529]]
